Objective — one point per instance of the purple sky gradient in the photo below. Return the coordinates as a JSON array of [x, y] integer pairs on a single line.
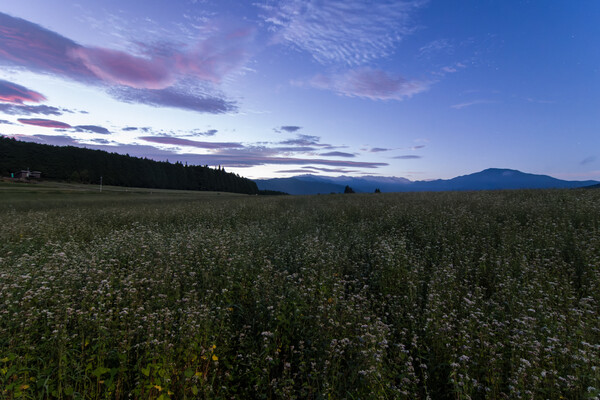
[[413, 88]]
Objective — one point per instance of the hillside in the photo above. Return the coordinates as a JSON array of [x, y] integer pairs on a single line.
[[489, 179], [75, 164]]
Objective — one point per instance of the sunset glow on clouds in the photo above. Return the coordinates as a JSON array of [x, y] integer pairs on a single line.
[[275, 88], [45, 123], [17, 94]]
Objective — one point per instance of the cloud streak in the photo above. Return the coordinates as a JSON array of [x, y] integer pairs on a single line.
[[17, 94], [369, 83], [92, 128], [191, 143], [288, 128], [338, 154], [44, 123], [471, 103], [226, 154], [308, 141], [176, 97], [16, 109], [210, 132], [588, 160]]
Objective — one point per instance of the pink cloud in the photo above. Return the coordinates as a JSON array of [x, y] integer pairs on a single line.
[[160, 77], [215, 57], [114, 66], [45, 123], [17, 94], [191, 143], [28, 45], [370, 83]]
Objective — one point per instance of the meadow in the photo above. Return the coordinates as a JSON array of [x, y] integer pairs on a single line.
[[158, 295]]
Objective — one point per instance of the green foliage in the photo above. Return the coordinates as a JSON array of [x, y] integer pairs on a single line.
[[74, 164], [481, 295]]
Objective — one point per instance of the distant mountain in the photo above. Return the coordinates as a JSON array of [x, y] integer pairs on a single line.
[[298, 185], [365, 184], [489, 179]]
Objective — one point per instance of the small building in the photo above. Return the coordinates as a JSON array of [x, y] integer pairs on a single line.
[[27, 174], [23, 174]]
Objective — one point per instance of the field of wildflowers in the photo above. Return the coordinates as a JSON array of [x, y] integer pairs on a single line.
[[485, 295]]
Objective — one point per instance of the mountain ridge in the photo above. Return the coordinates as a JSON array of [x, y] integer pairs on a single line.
[[487, 179]]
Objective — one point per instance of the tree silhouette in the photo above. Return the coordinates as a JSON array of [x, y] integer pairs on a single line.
[[75, 164]]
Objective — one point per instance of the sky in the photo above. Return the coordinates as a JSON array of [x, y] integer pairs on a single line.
[[276, 88]]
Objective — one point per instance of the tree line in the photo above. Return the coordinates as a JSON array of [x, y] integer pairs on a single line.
[[75, 164]]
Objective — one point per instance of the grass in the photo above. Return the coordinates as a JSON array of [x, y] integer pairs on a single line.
[[195, 295]]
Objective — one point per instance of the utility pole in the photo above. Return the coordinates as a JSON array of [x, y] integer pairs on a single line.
[[100, 183]]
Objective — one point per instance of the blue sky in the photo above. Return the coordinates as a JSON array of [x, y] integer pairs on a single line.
[[418, 89]]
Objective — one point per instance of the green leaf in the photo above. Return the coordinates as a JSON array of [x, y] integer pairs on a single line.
[[146, 371], [98, 372], [188, 373], [194, 390], [69, 391]]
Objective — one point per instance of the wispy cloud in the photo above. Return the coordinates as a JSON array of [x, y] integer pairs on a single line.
[[190, 143], [378, 149], [351, 32], [471, 103], [18, 109], [239, 160], [176, 97], [436, 47], [588, 160], [160, 76], [17, 94], [117, 67], [540, 101], [335, 170], [45, 123], [55, 140], [288, 128], [338, 154], [369, 83], [92, 128], [306, 140], [291, 171], [309, 169], [407, 157], [225, 154], [5, 122], [210, 132], [100, 141]]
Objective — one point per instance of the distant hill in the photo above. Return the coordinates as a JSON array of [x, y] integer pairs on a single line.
[[75, 164], [299, 186], [489, 179]]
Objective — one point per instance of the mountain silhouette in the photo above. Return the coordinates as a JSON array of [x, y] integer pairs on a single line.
[[488, 179]]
